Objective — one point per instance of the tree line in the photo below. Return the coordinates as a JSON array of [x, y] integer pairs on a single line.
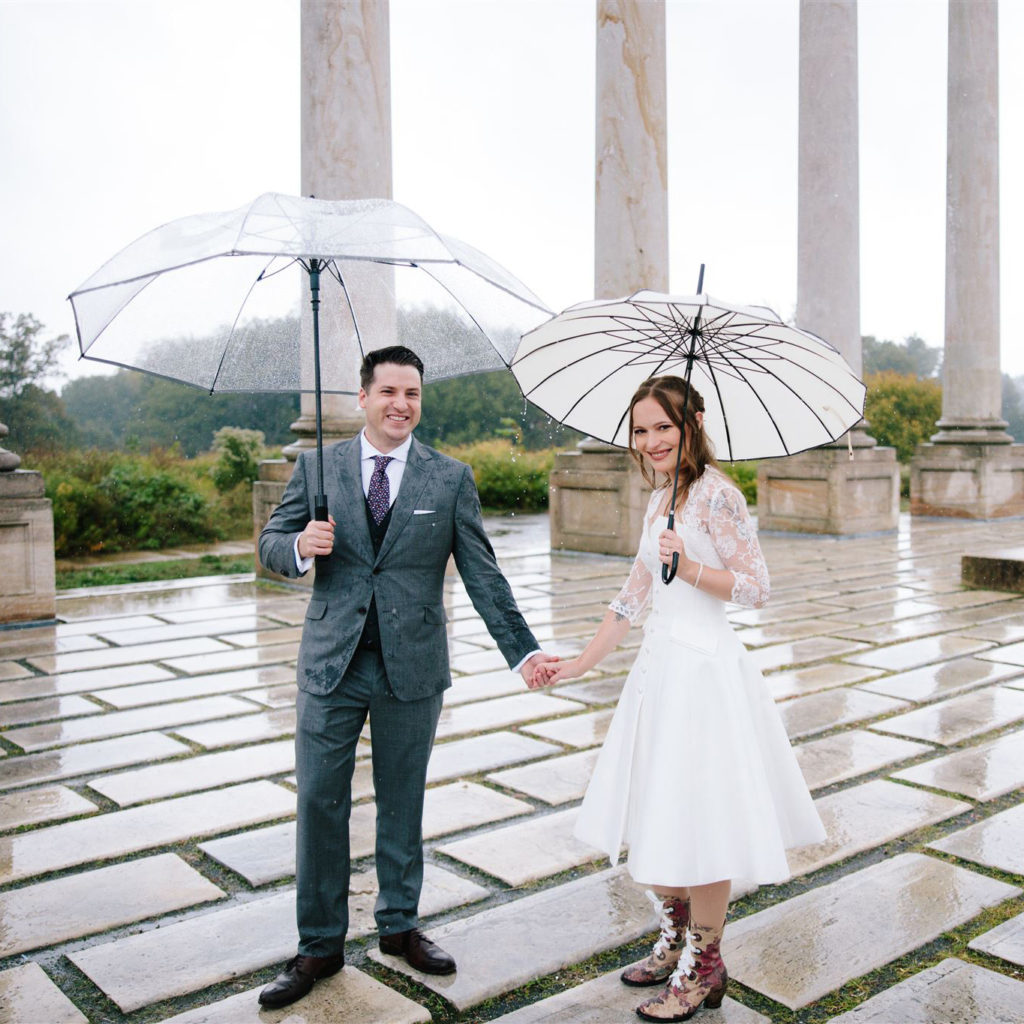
[[132, 411]]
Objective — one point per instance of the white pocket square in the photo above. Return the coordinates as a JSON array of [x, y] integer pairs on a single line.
[[423, 511]]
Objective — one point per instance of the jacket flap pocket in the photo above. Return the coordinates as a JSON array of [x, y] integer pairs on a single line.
[[316, 609]]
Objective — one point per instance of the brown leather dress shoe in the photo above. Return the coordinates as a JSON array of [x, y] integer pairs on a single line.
[[418, 951], [297, 978]]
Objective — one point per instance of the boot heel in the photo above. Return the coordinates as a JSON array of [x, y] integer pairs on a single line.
[[713, 1000]]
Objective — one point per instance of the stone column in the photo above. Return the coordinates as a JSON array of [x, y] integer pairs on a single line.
[[28, 588], [346, 154], [597, 494], [824, 491], [970, 467]]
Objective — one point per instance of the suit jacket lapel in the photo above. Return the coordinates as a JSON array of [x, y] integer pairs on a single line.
[[350, 516], [417, 471]]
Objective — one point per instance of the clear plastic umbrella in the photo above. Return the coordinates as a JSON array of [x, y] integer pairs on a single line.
[[769, 389], [214, 299]]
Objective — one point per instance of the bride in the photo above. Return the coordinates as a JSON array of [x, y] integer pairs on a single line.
[[696, 775]]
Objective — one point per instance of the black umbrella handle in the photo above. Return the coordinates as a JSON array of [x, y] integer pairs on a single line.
[[668, 573], [320, 515]]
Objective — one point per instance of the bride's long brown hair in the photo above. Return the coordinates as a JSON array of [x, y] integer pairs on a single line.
[[670, 394]]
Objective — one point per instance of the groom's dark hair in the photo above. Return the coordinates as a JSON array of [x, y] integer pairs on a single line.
[[397, 354]]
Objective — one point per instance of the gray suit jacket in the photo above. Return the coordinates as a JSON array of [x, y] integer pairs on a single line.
[[406, 576]]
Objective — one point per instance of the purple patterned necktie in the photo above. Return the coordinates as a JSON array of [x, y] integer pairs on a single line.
[[379, 494]]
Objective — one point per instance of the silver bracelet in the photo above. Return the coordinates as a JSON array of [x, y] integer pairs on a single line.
[[696, 582]]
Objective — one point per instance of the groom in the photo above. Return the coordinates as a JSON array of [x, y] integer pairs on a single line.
[[374, 642]]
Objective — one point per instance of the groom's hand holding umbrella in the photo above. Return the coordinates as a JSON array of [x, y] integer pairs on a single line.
[[317, 538]]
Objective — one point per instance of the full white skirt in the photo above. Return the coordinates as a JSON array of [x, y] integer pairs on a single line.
[[697, 775]]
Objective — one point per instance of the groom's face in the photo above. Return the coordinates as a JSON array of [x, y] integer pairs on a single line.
[[392, 405]]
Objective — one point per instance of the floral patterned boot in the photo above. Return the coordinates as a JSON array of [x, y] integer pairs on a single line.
[[674, 917], [700, 979]]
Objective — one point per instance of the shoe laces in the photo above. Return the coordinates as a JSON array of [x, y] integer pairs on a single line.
[[687, 964], [669, 932]]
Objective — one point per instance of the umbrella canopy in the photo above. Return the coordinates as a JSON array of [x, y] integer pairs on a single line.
[[213, 299], [769, 389]]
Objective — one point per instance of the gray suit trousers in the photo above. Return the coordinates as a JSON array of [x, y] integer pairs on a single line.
[[328, 728]]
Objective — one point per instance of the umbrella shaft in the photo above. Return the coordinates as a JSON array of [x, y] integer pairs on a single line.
[[320, 499]]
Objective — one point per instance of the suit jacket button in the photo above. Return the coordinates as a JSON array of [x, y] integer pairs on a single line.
[[376, 570], [361, 611]]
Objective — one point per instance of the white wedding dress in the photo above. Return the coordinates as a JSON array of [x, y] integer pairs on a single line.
[[696, 775]]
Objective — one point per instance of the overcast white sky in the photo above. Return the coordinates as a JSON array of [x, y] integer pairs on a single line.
[[118, 116]]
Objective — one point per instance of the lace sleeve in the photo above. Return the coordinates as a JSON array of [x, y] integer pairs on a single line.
[[632, 599], [735, 540]]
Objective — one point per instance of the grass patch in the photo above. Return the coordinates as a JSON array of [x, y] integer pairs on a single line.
[[152, 572]]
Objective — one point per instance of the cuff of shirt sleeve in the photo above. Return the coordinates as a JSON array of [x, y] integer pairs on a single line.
[[302, 564], [517, 668]]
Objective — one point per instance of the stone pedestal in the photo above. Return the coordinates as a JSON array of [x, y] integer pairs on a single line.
[[825, 491], [970, 481], [597, 500], [28, 589]]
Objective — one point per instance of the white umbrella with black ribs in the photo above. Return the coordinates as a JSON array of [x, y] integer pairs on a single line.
[[769, 389]]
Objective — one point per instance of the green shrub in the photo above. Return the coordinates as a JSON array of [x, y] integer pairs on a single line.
[[744, 475], [238, 457], [902, 410], [507, 477]]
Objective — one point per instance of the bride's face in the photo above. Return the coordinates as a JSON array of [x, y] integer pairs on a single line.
[[655, 436]]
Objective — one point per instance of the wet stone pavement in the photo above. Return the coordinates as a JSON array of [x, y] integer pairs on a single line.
[[147, 803]]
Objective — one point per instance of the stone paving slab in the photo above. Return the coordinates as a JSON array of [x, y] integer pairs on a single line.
[[558, 780], [802, 681], [68, 762], [525, 852], [502, 711], [483, 686], [804, 716], [914, 653], [282, 696], [601, 691], [605, 1000], [94, 901], [234, 658], [593, 914], [586, 730], [46, 709], [218, 626], [847, 928], [943, 680], [869, 815], [996, 842], [122, 832], [952, 991], [121, 723], [47, 641], [181, 688], [484, 753], [206, 771], [349, 997], [1006, 631], [12, 670], [188, 955], [80, 682], [230, 732], [982, 773], [950, 721], [48, 803], [27, 994], [110, 657], [849, 754], [803, 652], [1005, 941], [1011, 654]]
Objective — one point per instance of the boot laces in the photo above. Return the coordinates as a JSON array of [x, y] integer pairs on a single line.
[[668, 929], [687, 965]]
